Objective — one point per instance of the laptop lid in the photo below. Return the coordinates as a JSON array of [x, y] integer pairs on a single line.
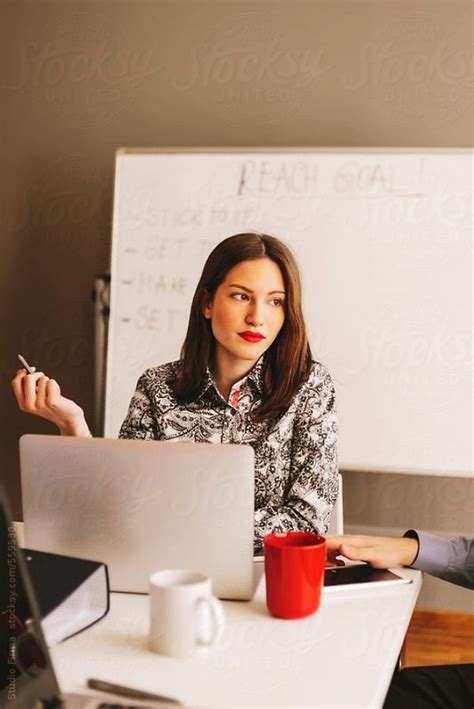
[[141, 506], [26, 673]]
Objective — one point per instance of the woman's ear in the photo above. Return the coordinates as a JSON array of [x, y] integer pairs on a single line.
[[206, 307]]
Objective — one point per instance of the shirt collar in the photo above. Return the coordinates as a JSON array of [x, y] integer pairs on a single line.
[[255, 375]]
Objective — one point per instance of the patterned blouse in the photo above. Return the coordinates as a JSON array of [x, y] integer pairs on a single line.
[[296, 473]]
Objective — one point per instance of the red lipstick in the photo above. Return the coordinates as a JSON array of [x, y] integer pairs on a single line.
[[251, 336]]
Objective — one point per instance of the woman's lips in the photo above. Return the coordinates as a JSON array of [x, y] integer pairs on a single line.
[[249, 337]]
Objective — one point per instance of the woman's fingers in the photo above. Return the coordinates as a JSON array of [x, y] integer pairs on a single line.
[[357, 553], [46, 395], [53, 393], [29, 391], [38, 394], [18, 387], [378, 552], [23, 371], [40, 402], [333, 542]]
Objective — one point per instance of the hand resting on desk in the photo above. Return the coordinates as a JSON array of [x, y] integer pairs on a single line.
[[380, 552], [39, 395]]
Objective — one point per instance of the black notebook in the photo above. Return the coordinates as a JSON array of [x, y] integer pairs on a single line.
[[72, 594]]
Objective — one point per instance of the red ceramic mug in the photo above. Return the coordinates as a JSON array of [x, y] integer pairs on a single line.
[[294, 573]]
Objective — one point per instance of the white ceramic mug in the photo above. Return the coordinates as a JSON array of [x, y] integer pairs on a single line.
[[184, 614]]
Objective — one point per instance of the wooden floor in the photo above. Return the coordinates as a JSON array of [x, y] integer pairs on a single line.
[[439, 638]]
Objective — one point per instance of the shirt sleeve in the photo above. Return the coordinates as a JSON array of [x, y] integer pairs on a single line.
[[448, 559], [140, 422], [314, 481]]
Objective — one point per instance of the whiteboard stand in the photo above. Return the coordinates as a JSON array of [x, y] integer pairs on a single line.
[[101, 298]]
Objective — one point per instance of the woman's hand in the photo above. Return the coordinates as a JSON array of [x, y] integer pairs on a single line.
[[40, 395], [332, 560], [380, 552]]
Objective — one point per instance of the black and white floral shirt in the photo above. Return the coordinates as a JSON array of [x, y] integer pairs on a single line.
[[296, 473]]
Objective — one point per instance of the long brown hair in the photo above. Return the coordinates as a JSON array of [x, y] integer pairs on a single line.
[[287, 362]]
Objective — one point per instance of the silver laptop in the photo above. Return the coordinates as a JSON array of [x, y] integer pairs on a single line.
[[27, 677], [141, 506]]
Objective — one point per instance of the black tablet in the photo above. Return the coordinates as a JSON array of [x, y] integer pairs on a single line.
[[355, 575]]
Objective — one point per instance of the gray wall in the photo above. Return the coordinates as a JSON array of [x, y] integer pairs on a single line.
[[80, 79]]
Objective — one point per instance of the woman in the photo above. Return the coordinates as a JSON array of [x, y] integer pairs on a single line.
[[246, 375]]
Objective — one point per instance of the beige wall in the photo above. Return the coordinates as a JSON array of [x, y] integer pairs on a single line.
[[79, 79]]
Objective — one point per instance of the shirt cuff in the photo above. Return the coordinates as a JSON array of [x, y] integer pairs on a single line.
[[433, 552]]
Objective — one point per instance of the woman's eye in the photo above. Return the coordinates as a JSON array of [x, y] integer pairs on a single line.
[[242, 297]]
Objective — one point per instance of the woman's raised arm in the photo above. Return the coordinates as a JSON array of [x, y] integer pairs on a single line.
[[39, 395]]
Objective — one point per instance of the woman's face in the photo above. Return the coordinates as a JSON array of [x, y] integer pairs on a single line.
[[249, 300]]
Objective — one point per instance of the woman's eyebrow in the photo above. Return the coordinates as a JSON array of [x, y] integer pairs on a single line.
[[248, 290]]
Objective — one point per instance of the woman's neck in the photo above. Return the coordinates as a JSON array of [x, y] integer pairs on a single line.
[[226, 372]]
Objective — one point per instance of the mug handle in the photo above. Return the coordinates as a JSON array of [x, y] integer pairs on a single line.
[[217, 619]]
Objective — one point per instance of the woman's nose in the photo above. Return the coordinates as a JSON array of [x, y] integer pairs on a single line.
[[255, 314]]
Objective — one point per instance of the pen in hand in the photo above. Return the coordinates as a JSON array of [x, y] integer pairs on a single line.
[[29, 369], [41, 395]]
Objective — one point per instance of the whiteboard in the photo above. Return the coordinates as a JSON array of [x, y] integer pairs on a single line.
[[384, 244]]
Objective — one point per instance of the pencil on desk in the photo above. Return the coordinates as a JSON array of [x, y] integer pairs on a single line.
[[122, 691]]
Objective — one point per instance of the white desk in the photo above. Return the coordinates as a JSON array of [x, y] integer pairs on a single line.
[[343, 656]]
